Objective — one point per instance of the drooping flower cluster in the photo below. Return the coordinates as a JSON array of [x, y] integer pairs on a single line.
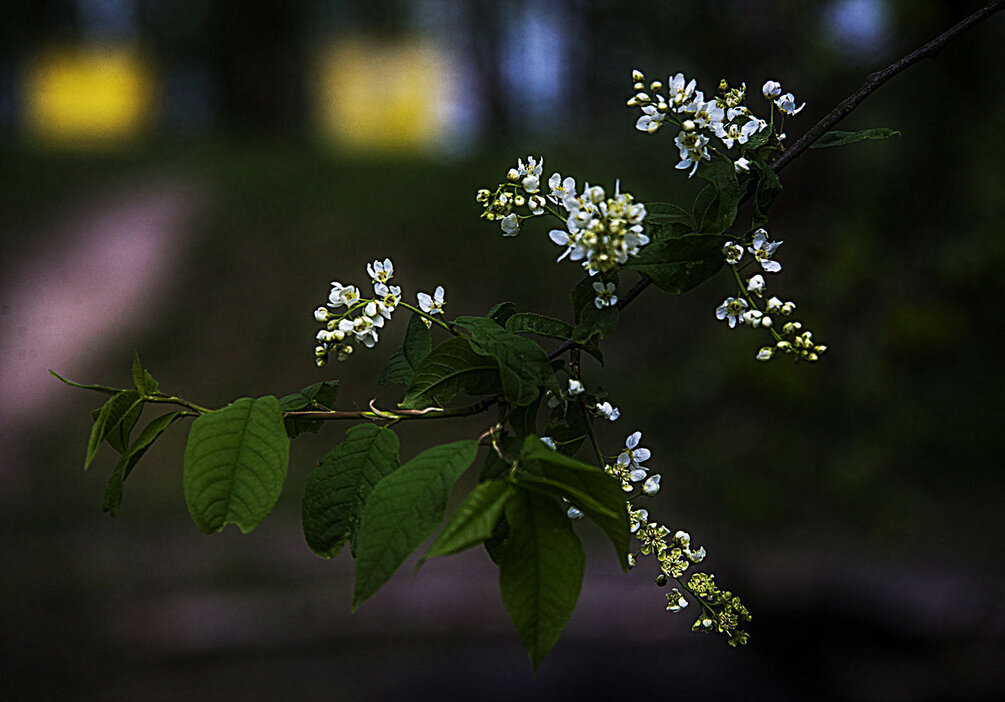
[[362, 317], [745, 308], [731, 611], [600, 231], [672, 550], [724, 116]]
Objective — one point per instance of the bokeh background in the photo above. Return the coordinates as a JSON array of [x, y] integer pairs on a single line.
[[184, 179]]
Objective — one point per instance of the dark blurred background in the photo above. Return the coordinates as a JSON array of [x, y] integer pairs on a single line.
[[184, 179]]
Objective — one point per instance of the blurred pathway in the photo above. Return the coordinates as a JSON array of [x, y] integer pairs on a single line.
[[102, 272]]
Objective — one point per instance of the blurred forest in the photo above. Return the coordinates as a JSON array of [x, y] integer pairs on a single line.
[[236, 157]]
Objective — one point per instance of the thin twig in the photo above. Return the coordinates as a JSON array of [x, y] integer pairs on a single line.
[[398, 414], [824, 125], [878, 78]]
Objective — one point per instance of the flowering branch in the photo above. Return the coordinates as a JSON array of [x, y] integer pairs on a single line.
[[841, 111], [530, 486]]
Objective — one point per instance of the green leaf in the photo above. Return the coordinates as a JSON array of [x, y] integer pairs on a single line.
[[150, 433], [501, 312], [144, 382], [678, 264], [540, 572], [97, 388], [495, 546], [542, 325], [558, 488], [495, 467], [235, 464], [569, 428], [837, 138], [403, 362], [533, 323], [114, 422], [590, 320], [336, 490], [320, 396], [524, 419], [720, 212], [474, 521], [659, 214], [403, 510], [607, 505], [523, 365], [767, 189], [119, 431], [450, 368]]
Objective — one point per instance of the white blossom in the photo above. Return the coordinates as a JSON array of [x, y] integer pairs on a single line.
[[608, 411], [692, 150], [771, 90], [756, 284], [733, 252], [380, 271], [763, 250], [633, 455], [787, 104], [731, 309], [605, 295], [575, 387], [529, 175], [561, 189], [341, 295], [510, 224], [651, 120], [741, 164], [680, 93], [321, 314], [675, 601], [431, 304], [652, 485], [388, 298]]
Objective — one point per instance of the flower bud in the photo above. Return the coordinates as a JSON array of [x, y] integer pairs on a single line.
[[688, 125]]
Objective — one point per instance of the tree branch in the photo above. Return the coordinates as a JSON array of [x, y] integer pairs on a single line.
[[877, 79], [829, 120], [397, 415]]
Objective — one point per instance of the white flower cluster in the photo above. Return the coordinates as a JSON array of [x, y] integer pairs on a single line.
[[600, 231], [522, 187], [744, 309], [362, 317], [724, 116], [628, 467], [674, 553]]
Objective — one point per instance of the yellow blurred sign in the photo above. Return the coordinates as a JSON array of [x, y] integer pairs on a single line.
[[87, 95], [381, 95]]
